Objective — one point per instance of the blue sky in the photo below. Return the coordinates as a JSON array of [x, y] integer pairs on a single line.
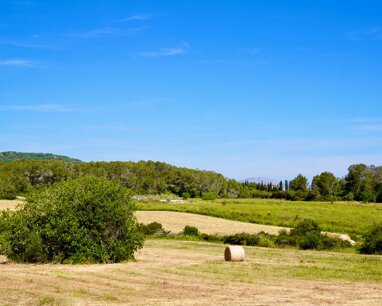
[[245, 88]]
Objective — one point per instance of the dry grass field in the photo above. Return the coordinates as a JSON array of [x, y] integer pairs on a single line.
[[169, 272], [173, 272], [176, 221]]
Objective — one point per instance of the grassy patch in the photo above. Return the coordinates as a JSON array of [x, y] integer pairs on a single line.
[[264, 263], [46, 301], [342, 217]]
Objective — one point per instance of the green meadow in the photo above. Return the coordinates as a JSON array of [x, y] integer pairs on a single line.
[[342, 217]]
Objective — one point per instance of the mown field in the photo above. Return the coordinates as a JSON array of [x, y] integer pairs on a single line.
[[169, 272], [177, 272], [176, 221], [340, 217]]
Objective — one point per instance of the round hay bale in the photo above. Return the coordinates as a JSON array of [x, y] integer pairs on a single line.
[[234, 253]]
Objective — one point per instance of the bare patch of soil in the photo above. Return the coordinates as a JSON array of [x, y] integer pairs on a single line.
[[9, 204]]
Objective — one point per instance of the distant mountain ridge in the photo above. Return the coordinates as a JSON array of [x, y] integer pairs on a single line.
[[10, 156], [258, 180]]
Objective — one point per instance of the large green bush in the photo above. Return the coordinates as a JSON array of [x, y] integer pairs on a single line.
[[307, 235], [190, 231], [242, 239], [82, 220], [373, 241], [209, 196], [7, 187], [151, 228]]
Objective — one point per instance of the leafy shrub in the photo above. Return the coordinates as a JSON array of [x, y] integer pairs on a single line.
[[266, 240], [209, 196], [367, 196], [308, 241], [242, 239], [307, 234], [190, 231], [185, 195], [285, 239], [262, 194], [349, 197], [373, 241], [305, 226], [211, 238], [278, 195], [7, 187], [329, 243], [151, 228], [77, 221], [5, 217]]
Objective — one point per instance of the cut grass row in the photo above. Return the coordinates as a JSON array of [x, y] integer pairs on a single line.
[[341, 217]]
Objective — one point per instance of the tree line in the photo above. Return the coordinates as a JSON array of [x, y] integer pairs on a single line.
[[362, 182]]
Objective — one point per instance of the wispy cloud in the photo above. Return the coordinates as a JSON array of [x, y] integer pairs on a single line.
[[107, 31], [374, 33], [27, 45], [163, 52], [19, 63], [138, 17], [41, 108], [367, 124]]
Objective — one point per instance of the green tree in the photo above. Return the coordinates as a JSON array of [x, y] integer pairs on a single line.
[[7, 187], [82, 220], [286, 185], [281, 186], [299, 183], [325, 184], [358, 180], [373, 241]]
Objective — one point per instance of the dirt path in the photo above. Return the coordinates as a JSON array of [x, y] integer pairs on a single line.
[[9, 204]]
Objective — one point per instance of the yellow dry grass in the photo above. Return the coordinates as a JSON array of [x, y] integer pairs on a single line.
[[9, 204], [171, 272], [176, 221]]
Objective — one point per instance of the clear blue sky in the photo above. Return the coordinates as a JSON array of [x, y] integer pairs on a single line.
[[245, 88]]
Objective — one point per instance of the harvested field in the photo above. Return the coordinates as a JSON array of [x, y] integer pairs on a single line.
[[176, 221], [340, 217], [171, 272]]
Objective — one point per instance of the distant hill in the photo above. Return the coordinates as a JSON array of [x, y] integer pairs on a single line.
[[9, 156], [265, 180]]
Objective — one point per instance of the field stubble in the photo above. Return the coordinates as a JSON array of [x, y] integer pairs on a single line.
[[169, 272]]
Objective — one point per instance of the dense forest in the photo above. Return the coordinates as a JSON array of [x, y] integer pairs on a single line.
[[9, 156], [18, 177]]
